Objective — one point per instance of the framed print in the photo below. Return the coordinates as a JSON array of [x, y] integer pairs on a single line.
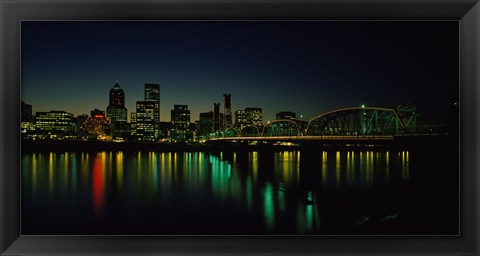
[[199, 127]]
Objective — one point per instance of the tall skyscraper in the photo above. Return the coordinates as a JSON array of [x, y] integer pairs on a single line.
[[217, 118], [152, 94], [227, 111], [145, 121], [205, 123], [180, 117], [116, 110]]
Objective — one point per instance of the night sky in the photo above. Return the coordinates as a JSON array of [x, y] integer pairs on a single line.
[[306, 67]]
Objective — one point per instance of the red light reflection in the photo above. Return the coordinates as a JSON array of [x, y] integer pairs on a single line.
[[98, 187]]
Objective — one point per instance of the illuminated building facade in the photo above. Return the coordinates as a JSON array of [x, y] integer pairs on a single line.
[[116, 110], [227, 111], [145, 121], [96, 126], [180, 118], [205, 123], [240, 119], [133, 124], [55, 124], [27, 125], [248, 117], [152, 94], [217, 118]]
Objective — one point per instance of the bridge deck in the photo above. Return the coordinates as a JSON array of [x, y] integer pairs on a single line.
[[300, 138], [303, 138]]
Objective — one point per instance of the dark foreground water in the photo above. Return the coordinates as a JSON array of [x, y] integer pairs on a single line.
[[400, 192]]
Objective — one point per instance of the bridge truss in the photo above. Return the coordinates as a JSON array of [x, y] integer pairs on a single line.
[[359, 121], [354, 121], [281, 127]]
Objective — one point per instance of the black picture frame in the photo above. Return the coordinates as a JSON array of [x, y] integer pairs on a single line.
[[467, 12]]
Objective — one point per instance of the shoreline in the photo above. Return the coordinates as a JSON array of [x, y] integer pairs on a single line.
[[405, 143]]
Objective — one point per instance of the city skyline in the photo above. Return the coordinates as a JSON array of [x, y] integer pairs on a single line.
[[305, 67]]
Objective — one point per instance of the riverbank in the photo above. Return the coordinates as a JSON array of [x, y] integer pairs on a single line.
[[402, 143], [95, 146]]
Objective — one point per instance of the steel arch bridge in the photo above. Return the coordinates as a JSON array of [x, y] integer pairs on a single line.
[[359, 121], [281, 127], [249, 131]]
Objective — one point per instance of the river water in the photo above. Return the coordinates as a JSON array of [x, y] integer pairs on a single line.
[[324, 192]]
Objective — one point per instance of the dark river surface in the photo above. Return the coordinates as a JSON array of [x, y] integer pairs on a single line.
[[300, 192]]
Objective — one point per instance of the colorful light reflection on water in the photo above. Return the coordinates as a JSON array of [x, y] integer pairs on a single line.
[[199, 193]]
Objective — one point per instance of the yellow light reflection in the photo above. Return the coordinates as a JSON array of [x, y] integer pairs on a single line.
[[151, 161], [369, 169], [139, 168], [407, 165], [200, 165], [337, 169], [404, 164], [50, 173], [34, 172], [65, 168], [324, 169], [154, 170], [254, 160], [119, 168], [139, 161], [297, 169], [110, 164], [349, 166], [285, 158], [387, 166], [175, 162], [103, 158]]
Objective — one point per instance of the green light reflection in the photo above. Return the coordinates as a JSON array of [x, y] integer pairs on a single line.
[[268, 206]]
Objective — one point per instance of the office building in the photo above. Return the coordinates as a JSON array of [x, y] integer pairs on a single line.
[[55, 124], [180, 118], [227, 112], [205, 124], [27, 124], [240, 119], [145, 121], [133, 124], [116, 110], [248, 117], [96, 126], [152, 94], [217, 118]]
